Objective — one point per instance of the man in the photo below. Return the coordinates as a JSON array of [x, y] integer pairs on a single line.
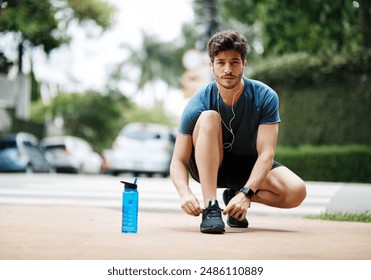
[[227, 139]]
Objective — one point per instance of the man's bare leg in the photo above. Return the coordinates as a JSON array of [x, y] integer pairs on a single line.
[[282, 188], [207, 141]]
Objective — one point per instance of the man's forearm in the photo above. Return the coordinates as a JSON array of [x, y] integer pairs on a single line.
[[260, 170], [179, 176]]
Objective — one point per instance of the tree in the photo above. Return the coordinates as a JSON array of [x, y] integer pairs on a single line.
[[207, 18], [155, 61], [311, 26], [287, 26], [44, 22], [365, 22], [89, 115]]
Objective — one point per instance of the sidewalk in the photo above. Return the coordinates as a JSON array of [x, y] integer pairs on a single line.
[[88, 233]]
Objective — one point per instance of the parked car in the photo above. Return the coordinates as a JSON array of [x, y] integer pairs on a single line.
[[141, 148], [21, 152], [71, 154]]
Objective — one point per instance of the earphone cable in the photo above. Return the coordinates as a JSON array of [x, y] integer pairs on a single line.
[[228, 145]]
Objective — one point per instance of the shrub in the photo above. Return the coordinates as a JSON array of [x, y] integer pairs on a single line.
[[351, 163]]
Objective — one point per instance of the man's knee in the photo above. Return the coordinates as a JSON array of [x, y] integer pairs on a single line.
[[290, 188], [295, 194], [209, 118], [208, 122]]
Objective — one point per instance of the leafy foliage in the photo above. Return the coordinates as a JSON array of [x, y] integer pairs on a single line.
[[287, 26], [91, 116], [38, 29], [156, 60], [304, 69], [323, 99], [92, 10], [44, 22], [348, 163], [154, 115], [94, 117], [310, 26]]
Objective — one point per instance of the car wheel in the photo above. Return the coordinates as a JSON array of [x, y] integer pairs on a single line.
[[29, 168], [164, 175], [80, 170]]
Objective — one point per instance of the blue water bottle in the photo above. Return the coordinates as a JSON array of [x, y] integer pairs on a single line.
[[130, 207]]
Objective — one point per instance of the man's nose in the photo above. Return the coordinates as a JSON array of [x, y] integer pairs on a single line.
[[228, 69]]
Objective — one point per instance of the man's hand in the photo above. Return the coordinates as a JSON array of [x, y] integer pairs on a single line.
[[190, 204], [237, 207]]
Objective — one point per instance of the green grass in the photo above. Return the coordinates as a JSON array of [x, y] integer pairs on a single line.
[[344, 217]]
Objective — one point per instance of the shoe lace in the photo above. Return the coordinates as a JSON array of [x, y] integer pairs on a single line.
[[213, 212]]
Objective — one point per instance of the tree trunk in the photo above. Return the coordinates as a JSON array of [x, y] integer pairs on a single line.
[[20, 57], [365, 6]]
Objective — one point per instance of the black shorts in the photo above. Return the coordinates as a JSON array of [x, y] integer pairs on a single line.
[[234, 171]]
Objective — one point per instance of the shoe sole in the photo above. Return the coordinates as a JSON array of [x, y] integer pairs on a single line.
[[215, 230], [237, 226], [226, 200]]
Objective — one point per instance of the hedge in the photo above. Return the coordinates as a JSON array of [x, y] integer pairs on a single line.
[[324, 99], [351, 163], [305, 69]]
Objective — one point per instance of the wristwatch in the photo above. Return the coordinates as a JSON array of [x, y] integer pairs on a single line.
[[247, 191]]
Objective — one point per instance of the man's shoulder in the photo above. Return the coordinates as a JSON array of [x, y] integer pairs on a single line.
[[202, 94], [205, 89], [201, 97], [259, 90], [257, 85]]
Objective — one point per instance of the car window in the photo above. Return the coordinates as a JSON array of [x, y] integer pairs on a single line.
[[4, 145], [55, 147], [28, 144]]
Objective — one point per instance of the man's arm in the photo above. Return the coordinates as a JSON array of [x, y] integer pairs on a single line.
[[180, 177], [266, 142], [266, 146]]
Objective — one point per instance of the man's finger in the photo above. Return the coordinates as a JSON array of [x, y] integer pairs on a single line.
[[227, 209]]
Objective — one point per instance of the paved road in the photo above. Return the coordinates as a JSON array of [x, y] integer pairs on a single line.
[[159, 194], [36, 224]]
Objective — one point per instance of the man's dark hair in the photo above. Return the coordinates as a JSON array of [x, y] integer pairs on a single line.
[[227, 40]]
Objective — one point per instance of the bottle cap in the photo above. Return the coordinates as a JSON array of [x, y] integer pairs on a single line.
[[129, 185]]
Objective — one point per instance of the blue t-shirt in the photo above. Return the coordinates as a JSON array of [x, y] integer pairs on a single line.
[[257, 105]]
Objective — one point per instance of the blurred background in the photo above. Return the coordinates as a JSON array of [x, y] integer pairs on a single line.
[[89, 68]]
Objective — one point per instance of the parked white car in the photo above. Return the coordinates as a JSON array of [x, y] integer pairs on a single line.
[[141, 148], [72, 154]]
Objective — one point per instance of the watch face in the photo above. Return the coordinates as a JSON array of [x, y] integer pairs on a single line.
[[248, 192]]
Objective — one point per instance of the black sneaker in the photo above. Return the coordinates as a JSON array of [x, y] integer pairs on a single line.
[[228, 194], [212, 221]]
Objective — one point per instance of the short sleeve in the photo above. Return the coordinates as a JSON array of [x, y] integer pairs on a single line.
[[270, 108]]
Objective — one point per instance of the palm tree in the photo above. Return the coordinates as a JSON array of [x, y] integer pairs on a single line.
[[155, 61]]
